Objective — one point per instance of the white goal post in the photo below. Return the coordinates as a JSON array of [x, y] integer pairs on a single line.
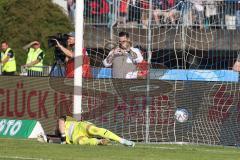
[[77, 108]]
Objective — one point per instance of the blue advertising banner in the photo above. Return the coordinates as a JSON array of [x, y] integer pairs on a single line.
[[179, 74]]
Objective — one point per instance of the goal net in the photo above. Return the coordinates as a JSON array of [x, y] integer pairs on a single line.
[[189, 49]]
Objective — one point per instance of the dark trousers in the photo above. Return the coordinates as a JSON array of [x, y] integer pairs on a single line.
[[4, 73]]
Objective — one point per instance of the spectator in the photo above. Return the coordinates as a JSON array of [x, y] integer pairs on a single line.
[[238, 15], [71, 6], [142, 69], [157, 7], [123, 11], [111, 14], [35, 57], [124, 58], [236, 66], [134, 11], [211, 12], [145, 13], [166, 10], [69, 52], [7, 59], [187, 14], [98, 11], [198, 9]]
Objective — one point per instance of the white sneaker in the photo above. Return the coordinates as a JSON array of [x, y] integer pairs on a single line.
[[128, 143]]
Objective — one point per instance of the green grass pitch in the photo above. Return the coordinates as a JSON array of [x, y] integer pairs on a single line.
[[32, 150]]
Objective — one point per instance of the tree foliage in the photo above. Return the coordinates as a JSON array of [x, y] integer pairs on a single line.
[[23, 21]]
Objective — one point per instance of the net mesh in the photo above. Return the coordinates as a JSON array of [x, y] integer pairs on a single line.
[[184, 38], [188, 48]]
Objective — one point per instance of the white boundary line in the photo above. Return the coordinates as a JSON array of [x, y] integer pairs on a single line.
[[172, 148], [25, 158], [167, 148]]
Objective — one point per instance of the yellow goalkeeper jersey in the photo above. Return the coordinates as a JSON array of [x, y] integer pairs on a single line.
[[75, 129]]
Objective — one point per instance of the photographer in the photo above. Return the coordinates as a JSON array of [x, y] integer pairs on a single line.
[[69, 51], [35, 55], [124, 59]]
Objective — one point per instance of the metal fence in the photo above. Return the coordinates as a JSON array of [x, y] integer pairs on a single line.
[[30, 71], [126, 13]]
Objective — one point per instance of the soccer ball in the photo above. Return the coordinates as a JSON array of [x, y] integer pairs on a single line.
[[181, 115]]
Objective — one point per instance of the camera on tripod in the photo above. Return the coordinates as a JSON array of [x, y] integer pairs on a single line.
[[58, 53], [62, 39]]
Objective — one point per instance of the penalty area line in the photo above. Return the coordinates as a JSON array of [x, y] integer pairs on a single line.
[[25, 158]]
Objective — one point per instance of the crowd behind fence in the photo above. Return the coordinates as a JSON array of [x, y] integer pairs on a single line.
[[130, 13]]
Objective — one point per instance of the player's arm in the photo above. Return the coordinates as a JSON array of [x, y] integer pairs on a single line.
[[66, 51], [26, 47], [39, 59], [32, 63], [5, 60], [236, 66], [136, 55], [10, 54], [107, 62], [61, 129]]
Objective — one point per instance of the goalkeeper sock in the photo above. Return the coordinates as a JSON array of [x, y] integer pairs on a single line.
[[103, 133]]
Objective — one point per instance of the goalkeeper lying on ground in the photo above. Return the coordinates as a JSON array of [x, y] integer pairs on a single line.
[[72, 131]]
